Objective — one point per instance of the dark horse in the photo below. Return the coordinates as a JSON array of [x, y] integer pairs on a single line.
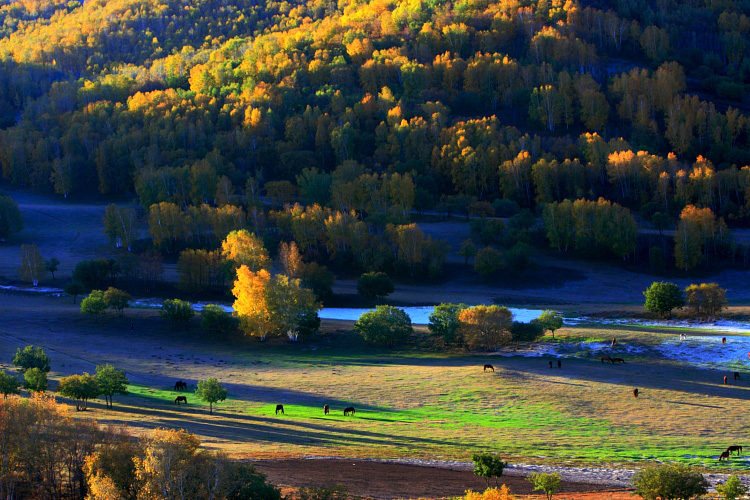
[[349, 411], [280, 408], [180, 398], [489, 367], [180, 386], [607, 358], [617, 360], [723, 340], [725, 455], [736, 375], [635, 392], [736, 447], [326, 409]]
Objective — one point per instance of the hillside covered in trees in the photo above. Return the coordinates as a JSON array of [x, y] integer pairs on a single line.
[[364, 110]]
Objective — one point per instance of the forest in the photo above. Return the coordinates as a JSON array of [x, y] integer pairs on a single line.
[[222, 115]]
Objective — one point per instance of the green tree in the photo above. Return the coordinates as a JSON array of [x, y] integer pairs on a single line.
[[31, 357], [289, 304], [210, 391], [669, 482], [488, 260], [467, 250], [94, 304], [526, 332], [318, 279], [732, 488], [444, 321], [179, 312], [662, 297], [705, 300], [9, 384], [216, 320], [374, 285], [548, 483], [488, 465], [35, 380], [10, 217], [32, 265], [116, 299], [74, 288], [51, 266], [111, 381], [386, 325], [518, 258], [93, 273], [550, 321], [79, 387]]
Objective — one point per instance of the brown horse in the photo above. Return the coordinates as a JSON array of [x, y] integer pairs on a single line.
[[180, 398], [280, 408], [725, 380], [724, 455], [607, 358], [635, 392], [723, 340], [180, 386], [349, 411], [326, 409], [735, 447], [736, 375], [489, 367], [614, 341], [618, 360]]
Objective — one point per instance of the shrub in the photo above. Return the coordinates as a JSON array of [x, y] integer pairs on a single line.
[[488, 465], [526, 332], [503, 493], [705, 300], [732, 488], [9, 384], [31, 357], [444, 321], [662, 297], [94, 304], [548, 483], [35, 380], [669, 482], [179, 312], [335, 492], [386, 325], [215, 319], [374, 285]]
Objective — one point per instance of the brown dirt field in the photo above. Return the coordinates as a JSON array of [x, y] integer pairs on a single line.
[[393, 480]]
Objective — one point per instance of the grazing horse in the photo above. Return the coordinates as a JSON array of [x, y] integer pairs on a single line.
[[635, 392], [618, 360], [180, 398], [280, 408], [736, 375], [736, 447], [723, 340], [349, 411], [607, 358], [724, 455], [180, 386], [326, 409], [489, 367]]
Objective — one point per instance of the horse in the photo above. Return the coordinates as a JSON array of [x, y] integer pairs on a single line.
[[280, 408], [326, 409], [550, 364], [725, 380], [723, 340], [614, 341], [618, 360], [489, 367], [724, 455], [607, 358], [180, 386], [736, 375], [559, 363], [736, 447], [180, 398], [635, 393], [349, 411]]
